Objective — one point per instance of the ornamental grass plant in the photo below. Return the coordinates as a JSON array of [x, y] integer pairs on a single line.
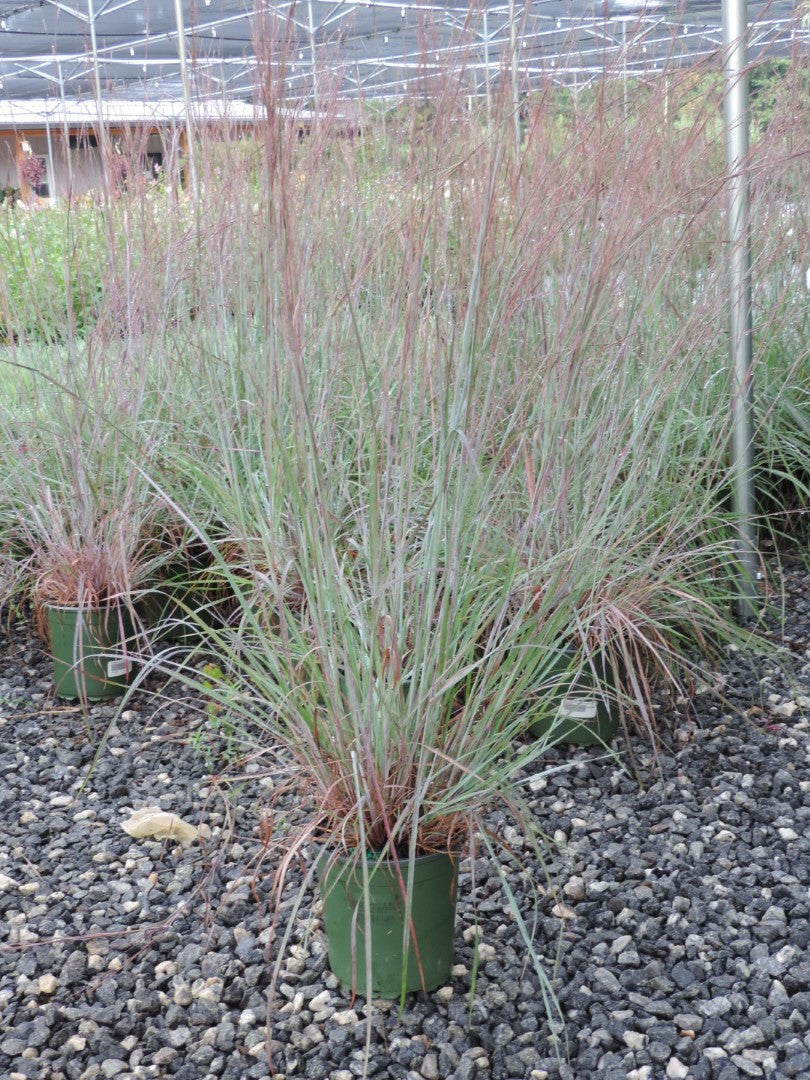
[[79, 519], [429, 407], [469, 408]]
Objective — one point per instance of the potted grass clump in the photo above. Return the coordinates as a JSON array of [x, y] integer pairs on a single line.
[[80, 514], [85, 572], [394, 691], [654, 613], [374, 653], [184, 596], [578, 698], [640, 559]]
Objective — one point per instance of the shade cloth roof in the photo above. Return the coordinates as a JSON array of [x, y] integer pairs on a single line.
[[52, 48]]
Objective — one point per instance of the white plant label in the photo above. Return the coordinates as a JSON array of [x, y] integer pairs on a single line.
[[116, 668], [578, 708]]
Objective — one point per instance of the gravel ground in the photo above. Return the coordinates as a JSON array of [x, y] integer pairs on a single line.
[[682, 912]]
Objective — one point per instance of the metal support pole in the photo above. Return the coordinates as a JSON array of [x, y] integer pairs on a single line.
[[487, 85], [513, 67], [103, 134], [735, 108], [51, 165], [66, 154], [94, 47], [666, 98], [181, 52], [624, 86], [315, 95]]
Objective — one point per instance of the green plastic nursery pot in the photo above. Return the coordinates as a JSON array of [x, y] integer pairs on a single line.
[[162, 615], [433, 918], [164, 610], [584, 712], [82, 640]]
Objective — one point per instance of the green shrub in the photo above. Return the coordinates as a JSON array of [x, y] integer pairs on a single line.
[[52, 264]]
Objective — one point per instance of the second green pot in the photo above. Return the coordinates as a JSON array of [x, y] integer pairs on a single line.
[[83, 641], [583, 708], [428, 958]]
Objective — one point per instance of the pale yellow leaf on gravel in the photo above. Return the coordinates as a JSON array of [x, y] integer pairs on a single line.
[[152, 821]]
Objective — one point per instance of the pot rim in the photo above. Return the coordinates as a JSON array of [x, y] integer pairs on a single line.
[[333, 859], [79, 607]]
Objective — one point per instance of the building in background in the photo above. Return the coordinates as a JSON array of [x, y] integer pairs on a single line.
[[60, 150]]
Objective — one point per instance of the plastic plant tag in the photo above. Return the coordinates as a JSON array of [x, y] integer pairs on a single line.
[[116, 668], [578, 708]]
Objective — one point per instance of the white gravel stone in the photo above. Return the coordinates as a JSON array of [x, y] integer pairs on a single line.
[[444, 993], [430, 1067], [563, 911], [182, 995], [320, 1000], [574, 888], [111, 1067], [676, 1070], [786, 709], [347, 1016], [788, 834], [47, 984], [209, 990], [717, 1006], [297, 1003], [620, 944], [635, 1040]]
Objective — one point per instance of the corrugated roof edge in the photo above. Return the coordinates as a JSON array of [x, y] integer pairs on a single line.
[[17, 113]]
